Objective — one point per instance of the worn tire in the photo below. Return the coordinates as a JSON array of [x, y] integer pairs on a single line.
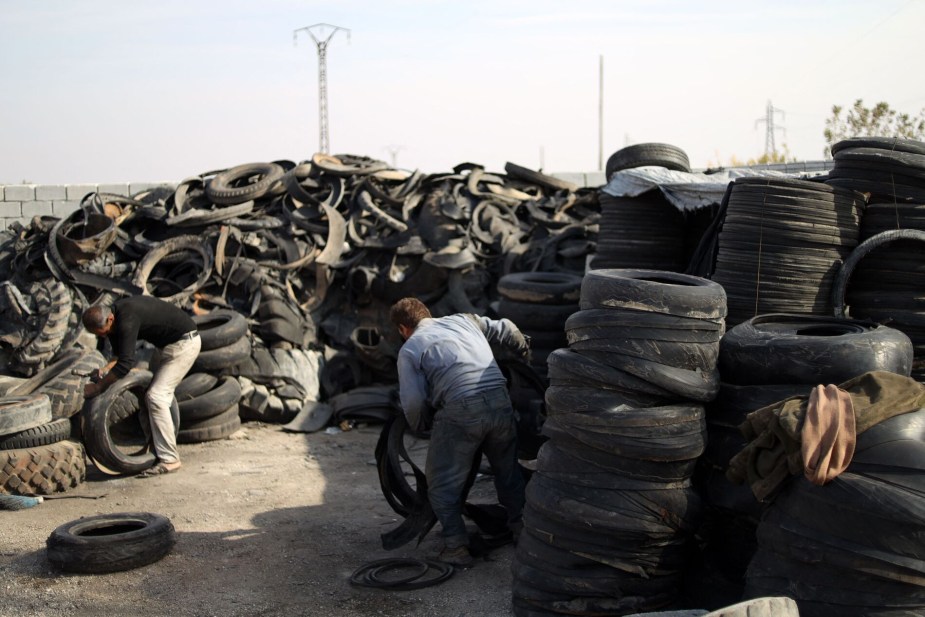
[[223, 357], [49, 325], [20, 413], [779, 348], [217, 427], [193, 385], [540, 287], [211, 403], [42, 470], [641, 155], [220, 328], [65, 390], [152, 258], [243, 183], [42, 435], [656, 291], [110, 542]]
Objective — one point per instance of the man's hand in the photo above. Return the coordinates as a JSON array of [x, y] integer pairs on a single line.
[[91, 389]]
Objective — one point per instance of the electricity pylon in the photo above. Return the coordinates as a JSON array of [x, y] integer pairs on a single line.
[[322, 43]]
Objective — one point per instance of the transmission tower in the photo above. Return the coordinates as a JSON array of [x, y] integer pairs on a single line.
[[321, 41], [770, 147]]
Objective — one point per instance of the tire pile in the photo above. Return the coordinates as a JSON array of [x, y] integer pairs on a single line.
[[853, 546], [767, 359], [884, 277], [781, 244], [289, 270], [610, 507]]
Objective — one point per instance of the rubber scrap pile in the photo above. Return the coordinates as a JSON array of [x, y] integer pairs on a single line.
[[289, 270]]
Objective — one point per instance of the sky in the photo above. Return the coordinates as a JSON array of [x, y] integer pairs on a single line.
[[161, 90]]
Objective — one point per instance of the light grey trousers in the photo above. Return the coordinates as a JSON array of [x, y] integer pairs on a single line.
[[172, 364]]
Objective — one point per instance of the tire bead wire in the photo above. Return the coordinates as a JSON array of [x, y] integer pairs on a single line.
[[372, 573]]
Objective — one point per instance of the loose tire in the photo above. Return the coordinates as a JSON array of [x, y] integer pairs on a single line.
[[110, 542]]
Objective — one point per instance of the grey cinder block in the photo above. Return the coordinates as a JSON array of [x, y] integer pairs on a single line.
[[76, 192], [50, 192], [595, 179], [115, 189], [36, 208], [62, 208], [19, 192], [11, 209]]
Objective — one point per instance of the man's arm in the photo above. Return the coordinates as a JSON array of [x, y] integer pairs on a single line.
[[412, 393], [503, 333], [108, 378]]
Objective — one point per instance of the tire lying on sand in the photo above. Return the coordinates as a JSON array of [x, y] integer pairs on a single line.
[[110, 542]]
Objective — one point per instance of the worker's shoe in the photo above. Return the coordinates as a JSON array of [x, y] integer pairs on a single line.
[[459, 556]]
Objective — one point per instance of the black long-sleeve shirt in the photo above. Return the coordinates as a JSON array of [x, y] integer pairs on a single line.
[[146, 318]]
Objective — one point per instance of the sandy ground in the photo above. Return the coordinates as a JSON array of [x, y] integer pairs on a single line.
[[268, 523]]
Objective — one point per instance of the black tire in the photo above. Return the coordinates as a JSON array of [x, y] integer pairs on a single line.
[[223, 357], [66, 389], [656, 291], [220, 328], [782, 348], [194, 244], [20, 413], [110, 542], [536, 316], [640, 155], [540, 287], [193, 385], [847, 268], [42, 470], [217, 427], [49, 325], [243, 183], [102, 414], [211, 403], [42, 435], [538, 178]]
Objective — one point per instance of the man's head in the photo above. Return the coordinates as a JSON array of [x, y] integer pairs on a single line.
[[98, 319], [406, 314]]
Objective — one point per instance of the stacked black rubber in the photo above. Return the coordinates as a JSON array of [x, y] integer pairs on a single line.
[[884, 278], [781, 244], [764, 360], [40, 450], [610, 507], [640, 232], [852, 547]]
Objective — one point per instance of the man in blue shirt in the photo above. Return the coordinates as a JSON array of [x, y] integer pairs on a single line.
[[447, 372]]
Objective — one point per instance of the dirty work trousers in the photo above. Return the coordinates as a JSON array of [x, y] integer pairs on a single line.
[[172, 364], [460, 427]]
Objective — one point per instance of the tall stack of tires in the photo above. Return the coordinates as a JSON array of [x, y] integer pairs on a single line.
[[40, 451], [883, 278], [781, 244], [853, 547], [539, 303], [610, 508], [645, 231], [764, 360]]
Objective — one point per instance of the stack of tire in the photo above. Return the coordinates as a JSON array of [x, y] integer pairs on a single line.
[[610, 507], [539, 303], [208, 396], [40, 451], [883, 278], [853, 547], [41, 313], [781, 244], [764, 360]]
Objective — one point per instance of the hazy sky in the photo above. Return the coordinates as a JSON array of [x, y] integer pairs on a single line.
[[113, 91]]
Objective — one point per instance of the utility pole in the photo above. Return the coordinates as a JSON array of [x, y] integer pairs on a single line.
[[322, 43], [770, 147], [393, 153]]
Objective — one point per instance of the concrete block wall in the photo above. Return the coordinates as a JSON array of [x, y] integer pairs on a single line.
[[21, 202]]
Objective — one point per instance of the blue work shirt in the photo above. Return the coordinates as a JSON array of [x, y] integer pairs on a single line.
[[449, 358]]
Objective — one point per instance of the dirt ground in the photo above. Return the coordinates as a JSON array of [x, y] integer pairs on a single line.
[[268, 523]]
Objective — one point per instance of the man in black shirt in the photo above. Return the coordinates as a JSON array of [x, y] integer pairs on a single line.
[[176, 337]]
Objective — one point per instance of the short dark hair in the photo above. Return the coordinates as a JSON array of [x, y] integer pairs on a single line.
[[94, 318], [408, 312]]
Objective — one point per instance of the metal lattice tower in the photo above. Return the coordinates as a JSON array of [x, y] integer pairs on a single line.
[[321, 41], [770, 147]]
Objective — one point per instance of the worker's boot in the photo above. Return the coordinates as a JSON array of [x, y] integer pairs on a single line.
[[459, 556]]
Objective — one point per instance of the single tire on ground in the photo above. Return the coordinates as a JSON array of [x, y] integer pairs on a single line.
[[110, 542]]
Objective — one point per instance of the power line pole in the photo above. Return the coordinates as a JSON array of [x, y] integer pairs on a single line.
[[770, 147], [322, 44]]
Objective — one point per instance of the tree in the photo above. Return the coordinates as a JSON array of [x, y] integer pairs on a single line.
[[881, 120]]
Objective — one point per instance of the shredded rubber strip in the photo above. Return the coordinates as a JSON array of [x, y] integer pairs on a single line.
[[372, 573]]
